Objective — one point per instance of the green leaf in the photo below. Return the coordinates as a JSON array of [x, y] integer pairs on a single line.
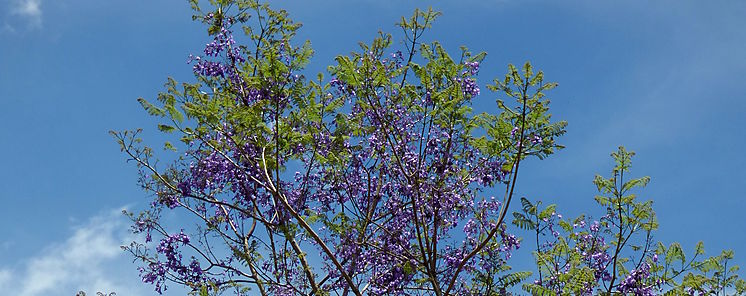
[[700, 248], [675, 253], [640, 182], [526, 204], [175, 114], [547, 212], [537, 290], [166, 128], [602, 200], [150, 108], [522, 222], [513, 279], [167, 145]]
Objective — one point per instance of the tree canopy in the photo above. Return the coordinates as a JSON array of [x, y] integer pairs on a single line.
[[381, 179]]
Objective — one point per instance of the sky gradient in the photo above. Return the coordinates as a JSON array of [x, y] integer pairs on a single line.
[[663, 79]]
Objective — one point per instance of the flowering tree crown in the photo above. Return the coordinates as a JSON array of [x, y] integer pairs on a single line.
[[378, 181]]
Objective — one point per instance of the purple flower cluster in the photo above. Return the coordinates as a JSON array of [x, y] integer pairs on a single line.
[[222, 58], [341, 88], [636, 282], [472, 68], [469, 86], [536, 139], [514, 131], [206, 67], [154, 273], [157, 271], [397, 58], [592, 247]]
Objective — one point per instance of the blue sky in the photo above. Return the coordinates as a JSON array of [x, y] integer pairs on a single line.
[[664, 79]]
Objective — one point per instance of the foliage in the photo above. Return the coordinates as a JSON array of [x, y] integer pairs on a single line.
[[376, 182], [617, 253]]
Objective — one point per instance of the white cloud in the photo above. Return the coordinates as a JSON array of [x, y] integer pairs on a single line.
[[28, 8], [4, 277], [23, 13], [31, 8], [90, 259]]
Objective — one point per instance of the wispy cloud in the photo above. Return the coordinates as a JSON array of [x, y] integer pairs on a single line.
[[29, 8], [7, 28], [4, 277], [26, 13], [90, 259]]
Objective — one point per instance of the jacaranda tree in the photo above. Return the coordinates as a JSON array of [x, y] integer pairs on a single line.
[[377, 181]]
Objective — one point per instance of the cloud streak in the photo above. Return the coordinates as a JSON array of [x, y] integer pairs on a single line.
[[90, 259], [28, 8], [23, 13]]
